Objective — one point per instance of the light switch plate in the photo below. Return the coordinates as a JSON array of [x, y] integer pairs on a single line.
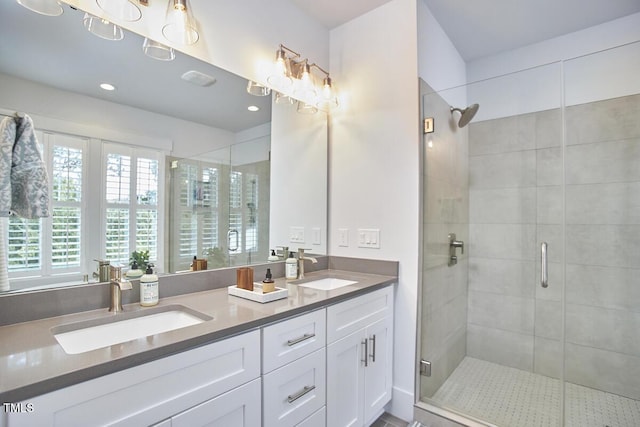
[[296, 234], [343, 237], [369, 238], [316, 236]]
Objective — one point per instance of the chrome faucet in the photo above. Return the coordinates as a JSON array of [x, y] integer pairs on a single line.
[[118, 284], [301, 260]]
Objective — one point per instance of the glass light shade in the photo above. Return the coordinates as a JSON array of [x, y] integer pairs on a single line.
[[102, 28], [158, 51], [125, 10], [280, 76], [43, 7], [282, 99], [305, 87], [304, 108], [257, 89], [327, 97], [180, 25]]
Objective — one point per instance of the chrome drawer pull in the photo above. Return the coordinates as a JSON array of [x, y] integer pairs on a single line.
[[365, 353], [373, 354], [298, 340], [293, 397]]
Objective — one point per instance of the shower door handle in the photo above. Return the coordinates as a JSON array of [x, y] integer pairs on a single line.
[[544, 272]]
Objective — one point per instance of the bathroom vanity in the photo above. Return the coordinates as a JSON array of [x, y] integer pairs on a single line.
[[316, 358]]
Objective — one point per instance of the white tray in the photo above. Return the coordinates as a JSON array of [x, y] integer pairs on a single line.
[[257, 295]]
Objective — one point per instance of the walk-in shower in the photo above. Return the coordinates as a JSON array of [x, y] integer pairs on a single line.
[[551, 157]]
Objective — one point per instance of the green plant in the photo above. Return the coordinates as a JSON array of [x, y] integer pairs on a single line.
[[141, 258], [215, 257]]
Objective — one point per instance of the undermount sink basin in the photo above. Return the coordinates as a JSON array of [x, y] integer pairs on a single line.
[[92, 334], [327, 284]]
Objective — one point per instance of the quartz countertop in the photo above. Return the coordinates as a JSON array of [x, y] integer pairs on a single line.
[[33, 363]]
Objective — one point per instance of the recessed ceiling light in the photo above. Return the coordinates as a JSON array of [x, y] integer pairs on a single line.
[[107, 86], [253, 108]]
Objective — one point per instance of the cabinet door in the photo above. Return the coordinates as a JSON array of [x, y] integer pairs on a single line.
[[240, 407], [378, 373], [345, 381]]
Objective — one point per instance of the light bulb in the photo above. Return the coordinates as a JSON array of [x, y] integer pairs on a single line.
[[279, 77], [179, 25]]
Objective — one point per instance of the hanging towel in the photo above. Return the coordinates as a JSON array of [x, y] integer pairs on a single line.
[[26, 192], [7, 138], [4, 254]]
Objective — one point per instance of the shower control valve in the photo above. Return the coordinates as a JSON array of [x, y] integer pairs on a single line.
[[453, 244]]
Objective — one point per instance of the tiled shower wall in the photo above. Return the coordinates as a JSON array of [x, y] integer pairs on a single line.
[[445, 210], [516, 202]]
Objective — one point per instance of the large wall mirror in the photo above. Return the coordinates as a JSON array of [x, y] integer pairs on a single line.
[[232, 183]]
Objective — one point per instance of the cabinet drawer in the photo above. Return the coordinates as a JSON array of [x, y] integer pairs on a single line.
[[151, 392], [291, 339], [294, 391], [349, 316], [319, 419], [239, 407]]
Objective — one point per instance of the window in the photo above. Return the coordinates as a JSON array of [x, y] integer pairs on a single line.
[[131, 223], [59, 238], [119, 194], [197, 210]]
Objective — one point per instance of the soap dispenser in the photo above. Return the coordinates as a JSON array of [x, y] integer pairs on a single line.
[[273, 257], [291, 267], [149, 288], [268, 284]]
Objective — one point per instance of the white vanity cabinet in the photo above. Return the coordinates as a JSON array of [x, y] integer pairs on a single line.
[[359, 358], [197, 384], [294, 371]]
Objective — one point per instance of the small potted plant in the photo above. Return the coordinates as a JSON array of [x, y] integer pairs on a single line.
[[138, 262]]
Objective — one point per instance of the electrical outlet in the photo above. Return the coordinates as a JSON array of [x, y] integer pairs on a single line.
[[369, 238]]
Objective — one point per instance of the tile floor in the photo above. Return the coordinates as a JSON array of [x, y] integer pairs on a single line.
[[388, 420], [511, 397]]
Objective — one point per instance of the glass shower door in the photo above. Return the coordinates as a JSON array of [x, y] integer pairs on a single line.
[[602, 177], [490, 331]]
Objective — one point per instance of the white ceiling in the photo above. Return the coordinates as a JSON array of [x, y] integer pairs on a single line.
[[484, 27], [59, 52]]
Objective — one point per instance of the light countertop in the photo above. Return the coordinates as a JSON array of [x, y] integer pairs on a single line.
[[33, 363]]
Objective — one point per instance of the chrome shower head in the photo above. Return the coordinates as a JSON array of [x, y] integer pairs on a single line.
[[466, 115]]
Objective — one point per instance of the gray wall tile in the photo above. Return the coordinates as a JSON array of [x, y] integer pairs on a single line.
[[517, 169], [515, 133], [615, 203], [503, 206], [608, 287], [548, 357], [603, 162], [504, 312], [502, 276], [507, 241], [498, 346], [605, 245], [606, 120]]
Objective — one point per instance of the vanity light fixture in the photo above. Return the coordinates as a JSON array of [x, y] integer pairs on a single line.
[[158, 51], [290, 72], [257, 89], [180, 26], [102, 28], [43, 7], [327, 98], [125, 10], [280, 77], [305, 87]]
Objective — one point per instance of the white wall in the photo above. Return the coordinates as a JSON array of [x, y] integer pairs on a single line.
[[540, 87], [374, 173], [298, 178]]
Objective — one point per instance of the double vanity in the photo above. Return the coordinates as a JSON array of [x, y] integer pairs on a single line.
[[320, 357]]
